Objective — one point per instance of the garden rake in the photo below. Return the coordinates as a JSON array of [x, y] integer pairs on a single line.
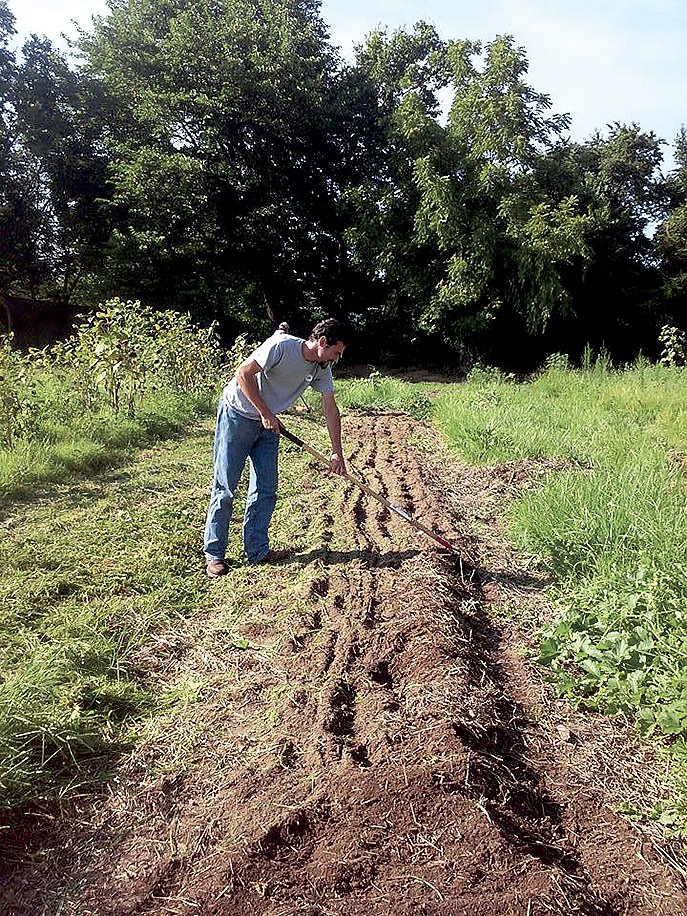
[[370, 492]]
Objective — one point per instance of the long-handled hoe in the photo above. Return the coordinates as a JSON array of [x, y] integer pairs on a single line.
[[370, 492]]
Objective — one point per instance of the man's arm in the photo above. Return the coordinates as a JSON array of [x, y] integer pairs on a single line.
[[246, 380], [333, 418]]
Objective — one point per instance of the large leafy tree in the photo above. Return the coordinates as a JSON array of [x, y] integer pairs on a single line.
[[26, 230], [506, 241], [671, 238], [404, 74], [224, 153], [615, 295], [488, 230], [60, 115], [457, 228]]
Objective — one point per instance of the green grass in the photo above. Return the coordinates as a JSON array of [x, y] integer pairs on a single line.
[[101, 556], [65, 442], [96, 578], [126, 377], [89, 573], [612, 528], [94, 574], [379, 392], [62, 441]]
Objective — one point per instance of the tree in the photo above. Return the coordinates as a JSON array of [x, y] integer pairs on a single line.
[[505, 240], [615, 296], [491, 232], [457, 228], [671, 238], [25, 226], [223, 159], [404, 73], [60, 116]]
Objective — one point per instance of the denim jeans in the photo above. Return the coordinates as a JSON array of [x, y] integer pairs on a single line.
[[238, 438]]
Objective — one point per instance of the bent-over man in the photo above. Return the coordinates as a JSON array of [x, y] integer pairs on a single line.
[[269, 381]]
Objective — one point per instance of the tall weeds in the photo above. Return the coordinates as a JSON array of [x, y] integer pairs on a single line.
[[126, 376], [612, 528]]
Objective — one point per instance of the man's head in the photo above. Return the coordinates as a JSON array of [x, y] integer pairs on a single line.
[[331, 337]]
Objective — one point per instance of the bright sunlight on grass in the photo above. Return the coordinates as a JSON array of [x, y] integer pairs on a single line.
[[612, 527]]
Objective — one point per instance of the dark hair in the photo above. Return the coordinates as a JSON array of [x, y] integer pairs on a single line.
[[333, 330]]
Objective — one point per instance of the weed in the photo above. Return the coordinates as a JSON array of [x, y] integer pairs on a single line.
[[384, 393], [673, 346], [88, 579], [16, 394]]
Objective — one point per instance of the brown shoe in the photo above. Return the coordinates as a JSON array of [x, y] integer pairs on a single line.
[[216, 568], [276, 556]]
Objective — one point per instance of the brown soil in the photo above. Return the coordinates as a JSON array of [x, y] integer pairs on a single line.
[[415, 763]]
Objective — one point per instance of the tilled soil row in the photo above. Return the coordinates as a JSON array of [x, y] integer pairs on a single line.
[[403, 772]]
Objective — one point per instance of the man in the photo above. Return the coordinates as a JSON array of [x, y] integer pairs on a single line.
[[268, 382]]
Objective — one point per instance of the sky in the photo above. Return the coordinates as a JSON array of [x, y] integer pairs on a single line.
[[601, 61]]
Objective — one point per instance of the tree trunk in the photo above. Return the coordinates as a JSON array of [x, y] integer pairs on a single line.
[[7, 313]]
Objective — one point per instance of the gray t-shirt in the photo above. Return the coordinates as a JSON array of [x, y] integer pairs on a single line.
[[283, 378]]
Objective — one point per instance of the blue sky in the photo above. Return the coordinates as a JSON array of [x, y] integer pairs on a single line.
[[600, 60]]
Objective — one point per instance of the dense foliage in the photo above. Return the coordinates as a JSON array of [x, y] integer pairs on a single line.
[[126, 375], [220, 156]]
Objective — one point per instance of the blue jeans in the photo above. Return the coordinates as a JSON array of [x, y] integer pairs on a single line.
[[238, 438]]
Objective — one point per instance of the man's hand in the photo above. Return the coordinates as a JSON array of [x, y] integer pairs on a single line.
[[270, 421], [246, 379], [333, 418], [337, 465]]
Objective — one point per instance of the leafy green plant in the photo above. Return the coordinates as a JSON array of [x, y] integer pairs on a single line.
[[673, 346], [242, 347], [127, 375], [124, 350], [557, 361], [118, 341], [382, 392], [188, 357], [620, 646], [17, 402], [485, 375]]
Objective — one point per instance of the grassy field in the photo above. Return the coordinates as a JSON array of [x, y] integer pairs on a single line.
[[125, 378], [97, 572], [101, 562], [96, 554], [99, 578], [72, 443], [90, 571], [612, 527]]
